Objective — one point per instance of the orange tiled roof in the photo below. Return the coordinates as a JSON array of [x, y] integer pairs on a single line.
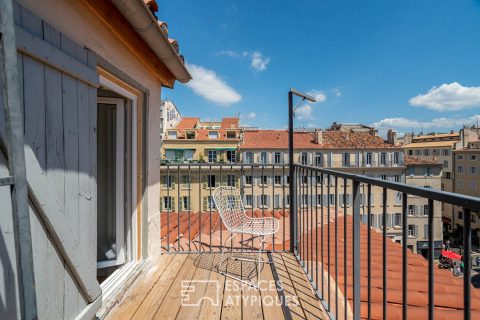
[[278, 139], [416, 161], [190, 124]]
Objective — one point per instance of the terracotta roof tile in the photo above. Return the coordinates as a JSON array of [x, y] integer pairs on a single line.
[[187, 124], [278, 139], [416, 161]]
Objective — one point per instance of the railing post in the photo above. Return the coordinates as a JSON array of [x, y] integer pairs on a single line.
[[467, 263], [356, 250], [291, 170]]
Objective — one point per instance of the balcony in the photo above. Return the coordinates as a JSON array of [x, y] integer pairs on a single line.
[[326, 263]]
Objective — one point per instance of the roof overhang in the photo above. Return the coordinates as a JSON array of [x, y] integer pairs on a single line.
[[133, 23]]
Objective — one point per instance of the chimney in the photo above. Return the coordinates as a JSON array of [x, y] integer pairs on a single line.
[[392, 137], [318, 136]]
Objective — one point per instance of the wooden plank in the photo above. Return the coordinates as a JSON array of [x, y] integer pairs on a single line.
[[310, 304], [70, 132], [191, 308], [51, 35], [215, 286], [172, 302], [269, 294], [85, 218], [46, 53], [142, 288], [40, 195], [54, 135], [8, 267], [231, 307], [251, 297], [31, 22], [34, 100], [151, 303], [55, 283], [70, 301], [92, 111], [40, 258]]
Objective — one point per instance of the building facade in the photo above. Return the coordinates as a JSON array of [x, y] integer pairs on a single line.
[[169, 116], [467, 181], [423, 174]]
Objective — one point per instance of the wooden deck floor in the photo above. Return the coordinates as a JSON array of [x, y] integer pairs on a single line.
[[188, 286]]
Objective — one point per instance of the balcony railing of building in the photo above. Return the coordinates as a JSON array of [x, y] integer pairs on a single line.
[[325, 224]]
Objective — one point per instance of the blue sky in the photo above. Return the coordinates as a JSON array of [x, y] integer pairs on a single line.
[[410, 65]]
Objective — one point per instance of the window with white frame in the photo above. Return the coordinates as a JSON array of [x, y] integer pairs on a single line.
[[278, 179], [231, 180], [473, 157], [231, 156], [185, 203], [168, 203], [248, 157], [346, 159], [383, 158], [212, 155], [211, 180], [473, 170], [248, 180], [460, 185], [426, 152], [264, 180], [445, 163], [212, 134], [276, 201], [248, 200], [460, 169], [396, 158], [304, 158], [368, 159], [263, 157], [446, 152], [319, 159], [172, 134], [277, 158]]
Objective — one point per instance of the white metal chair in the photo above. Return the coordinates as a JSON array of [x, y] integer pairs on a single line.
[[230, 207]]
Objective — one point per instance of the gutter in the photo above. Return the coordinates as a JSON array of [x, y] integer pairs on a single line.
[[145, 24]]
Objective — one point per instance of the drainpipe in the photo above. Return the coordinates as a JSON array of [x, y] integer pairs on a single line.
[[145, 24]]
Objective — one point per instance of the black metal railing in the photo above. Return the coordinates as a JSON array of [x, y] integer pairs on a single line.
[[189, 219], [320, 246]]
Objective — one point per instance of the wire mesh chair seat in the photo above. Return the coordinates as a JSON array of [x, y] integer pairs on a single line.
[[229, 204], [258, 226]]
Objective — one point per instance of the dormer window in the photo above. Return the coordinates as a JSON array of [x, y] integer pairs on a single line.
[[172, 134], [231, 134], [190, 135], [213, 135]]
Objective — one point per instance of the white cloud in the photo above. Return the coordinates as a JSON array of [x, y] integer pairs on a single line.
[[448, 97], [207, 84], [318, 95], [259, 62], [448, 123], [252, 115], [304, 112], [337, 92]]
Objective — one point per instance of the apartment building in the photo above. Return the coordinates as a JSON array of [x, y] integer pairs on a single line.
[[198, 142], [424, 174], [362, 152], [467, 181], [169, 116]]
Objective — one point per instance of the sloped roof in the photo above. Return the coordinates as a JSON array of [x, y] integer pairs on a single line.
[[278, 139], [190, 124], [416, 161]]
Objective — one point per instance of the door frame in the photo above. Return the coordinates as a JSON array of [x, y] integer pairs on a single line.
[[132, 250]]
